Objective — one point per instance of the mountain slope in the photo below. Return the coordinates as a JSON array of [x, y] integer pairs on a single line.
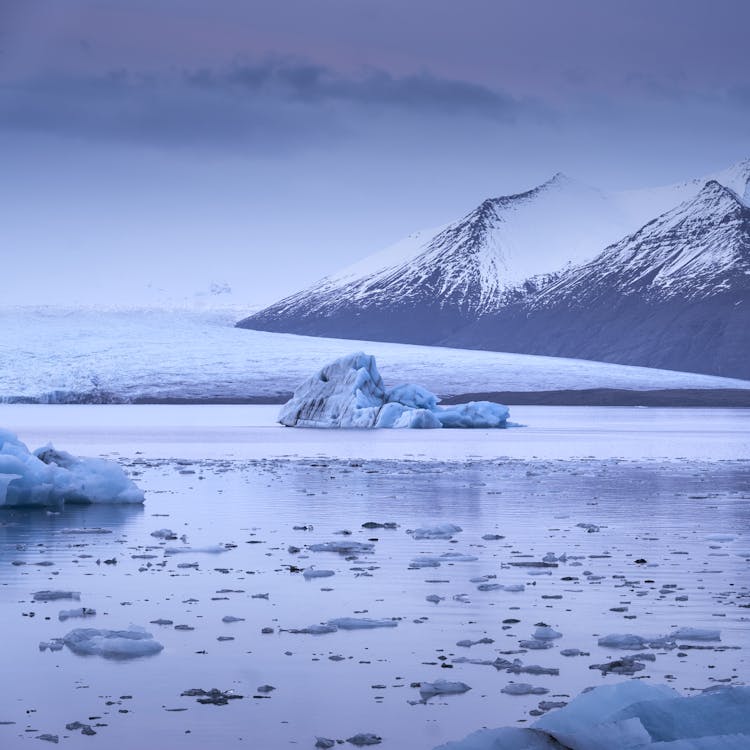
[[515, 274], [676, 294], [434, 283]]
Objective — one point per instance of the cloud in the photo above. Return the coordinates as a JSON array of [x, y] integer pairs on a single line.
[[276, 104]]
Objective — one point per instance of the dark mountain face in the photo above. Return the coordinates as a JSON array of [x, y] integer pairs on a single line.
[[675, 294]]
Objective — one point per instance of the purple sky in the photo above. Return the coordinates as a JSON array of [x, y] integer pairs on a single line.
[[268, 143]]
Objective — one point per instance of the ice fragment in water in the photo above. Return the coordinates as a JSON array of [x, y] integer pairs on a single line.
[[49, 477], [349, 392], [442, 687], [112, 644]]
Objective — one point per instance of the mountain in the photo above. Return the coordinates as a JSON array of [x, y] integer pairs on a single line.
[[675, 295], [526, 273], [434, 283]]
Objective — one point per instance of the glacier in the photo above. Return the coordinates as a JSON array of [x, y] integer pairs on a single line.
[[631, 714], [349, 392], [51, 478]]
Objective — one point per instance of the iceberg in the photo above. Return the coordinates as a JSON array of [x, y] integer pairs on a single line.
[[109, 644], [51, 478], [350, 392], [633, 715]]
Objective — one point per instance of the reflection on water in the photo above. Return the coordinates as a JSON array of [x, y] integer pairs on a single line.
[[650, 567]]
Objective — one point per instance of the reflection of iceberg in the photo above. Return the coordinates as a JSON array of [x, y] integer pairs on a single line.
[[350, 393], [634, 715], [49, 477]]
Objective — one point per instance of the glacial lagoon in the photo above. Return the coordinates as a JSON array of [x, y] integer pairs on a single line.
[[591, 522]]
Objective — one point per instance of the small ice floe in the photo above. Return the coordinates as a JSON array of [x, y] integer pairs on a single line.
[[590, 527], [343, 547], [492, 537], [442, 687], [545, 632], [434, 598], [721, 537], [518, 667], [164, 534], [110, 644], [626, 665], [432, 561], [551, 557], [51, 478], [86, 530], [574, 652], [469, 644], [54, 595], [375, 525], [232, 618], [361, 623], [441, 531], [695, 634], [364, 739], [535, 645], [66, 614], [324, 743], [320, 629], [623, 640], [214, 696], [309, 573], [212, 549], [523, 688]]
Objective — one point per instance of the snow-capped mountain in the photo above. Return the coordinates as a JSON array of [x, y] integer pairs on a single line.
[[515, 257], [443, 279], [675, 294]]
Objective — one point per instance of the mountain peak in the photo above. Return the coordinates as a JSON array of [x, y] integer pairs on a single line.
[[717, 193]]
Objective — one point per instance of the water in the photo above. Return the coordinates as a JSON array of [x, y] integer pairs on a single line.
[[662, 511]]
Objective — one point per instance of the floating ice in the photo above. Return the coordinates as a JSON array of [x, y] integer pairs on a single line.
[[523, 688], [545, 632], [349, 392], [50, 596], [66, 614], [441, 531], [630, 714], [623, 640], [49, 477], [112, 644], [344, 548], [695, 634], [442, 687], [313, 573], [360, 623], [212, 549]]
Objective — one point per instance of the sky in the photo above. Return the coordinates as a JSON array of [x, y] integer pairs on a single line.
[[152, 151]]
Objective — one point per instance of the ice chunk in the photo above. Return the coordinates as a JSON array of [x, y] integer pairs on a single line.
[[623, 640], [112, 644], [50, 596], [313, 573], [49, 477], [631, 714], [695, 634], [441, 531], [442, 687], [66, 614], [213, 549], [523, 688], [349, 392], [477, 414], [360, 623], [545, 632], [344, 548]]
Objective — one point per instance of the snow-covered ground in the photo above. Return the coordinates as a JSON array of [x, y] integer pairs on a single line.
[[126, 355]]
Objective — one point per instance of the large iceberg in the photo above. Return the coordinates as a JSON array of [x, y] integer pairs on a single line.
[[350, 393], [632, 715], [51, 478]]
